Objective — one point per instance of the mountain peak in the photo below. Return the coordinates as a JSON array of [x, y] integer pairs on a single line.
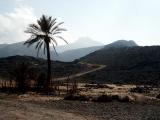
[[82, 42], [88, 41], [122, 43]]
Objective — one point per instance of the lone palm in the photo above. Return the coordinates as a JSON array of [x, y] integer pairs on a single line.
[[44, 33]]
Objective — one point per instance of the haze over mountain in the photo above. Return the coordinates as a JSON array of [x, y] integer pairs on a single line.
[[3, 45], [66, 53], [82, 42], [20, 49], [71, 55]]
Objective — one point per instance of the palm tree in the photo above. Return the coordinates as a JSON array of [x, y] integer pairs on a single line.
[[44, 33]]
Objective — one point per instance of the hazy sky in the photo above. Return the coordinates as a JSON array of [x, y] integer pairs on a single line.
[[102, 20]]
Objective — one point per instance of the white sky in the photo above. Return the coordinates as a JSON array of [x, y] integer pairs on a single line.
[[102, 20]]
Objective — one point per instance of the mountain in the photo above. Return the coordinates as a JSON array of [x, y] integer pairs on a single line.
[[3, 45], [110, 52], [126, 65], [18, 49], [70, 50], [74, 54], [83, 42], [121, 43]]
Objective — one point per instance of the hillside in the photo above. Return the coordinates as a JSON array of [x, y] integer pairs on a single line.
[[139, 65], [18, 49], [59, 69], [112, 54], [71, 55]]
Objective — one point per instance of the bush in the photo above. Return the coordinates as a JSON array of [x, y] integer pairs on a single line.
[[123, 99], [101, 98], [138, 90], [158, 96], [115, 97], [96, 86], [77, 97], [109, 98], [104, 98]]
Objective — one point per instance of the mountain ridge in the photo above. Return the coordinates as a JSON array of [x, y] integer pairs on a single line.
[[67, 56], [126, 65], [19, 49]]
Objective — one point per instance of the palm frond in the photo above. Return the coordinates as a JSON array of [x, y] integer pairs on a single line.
[[53, 40], [56, 27], [35, 27], [31, 41], [39, 47], [44, 48], [37, 44], [55, 49], [61, 29], [52, 23], [45, 32], [62, 39]]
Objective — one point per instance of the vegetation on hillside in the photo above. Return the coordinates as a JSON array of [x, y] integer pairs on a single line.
[[133, 65]]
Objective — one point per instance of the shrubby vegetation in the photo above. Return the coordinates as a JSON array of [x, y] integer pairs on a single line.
[[101, 98], [158, 96], [29, 73], [126, 65], [76, 97]]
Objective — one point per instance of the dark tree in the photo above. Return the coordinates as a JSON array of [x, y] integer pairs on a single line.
[[20, 74], [44, 33]]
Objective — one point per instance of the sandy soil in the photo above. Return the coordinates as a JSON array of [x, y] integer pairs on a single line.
[[18, 108]]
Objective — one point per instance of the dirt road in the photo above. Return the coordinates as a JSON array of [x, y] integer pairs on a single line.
[[81, 73]]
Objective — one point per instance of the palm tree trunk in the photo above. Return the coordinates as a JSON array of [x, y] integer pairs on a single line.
[[47, 84]]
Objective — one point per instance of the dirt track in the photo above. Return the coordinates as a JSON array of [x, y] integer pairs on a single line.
[[81, 73]]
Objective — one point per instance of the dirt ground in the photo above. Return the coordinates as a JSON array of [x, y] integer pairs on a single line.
[[24, 107]]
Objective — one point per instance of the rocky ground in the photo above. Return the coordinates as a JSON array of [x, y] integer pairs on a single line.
[[14, 107]]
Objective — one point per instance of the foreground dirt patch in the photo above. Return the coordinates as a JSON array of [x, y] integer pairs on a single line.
[[13, 108]]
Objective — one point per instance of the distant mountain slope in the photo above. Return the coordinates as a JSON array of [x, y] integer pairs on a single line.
[[83, 42], [71, 55], [3, 45], [70, 52], [121, 43], [16, 49]]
